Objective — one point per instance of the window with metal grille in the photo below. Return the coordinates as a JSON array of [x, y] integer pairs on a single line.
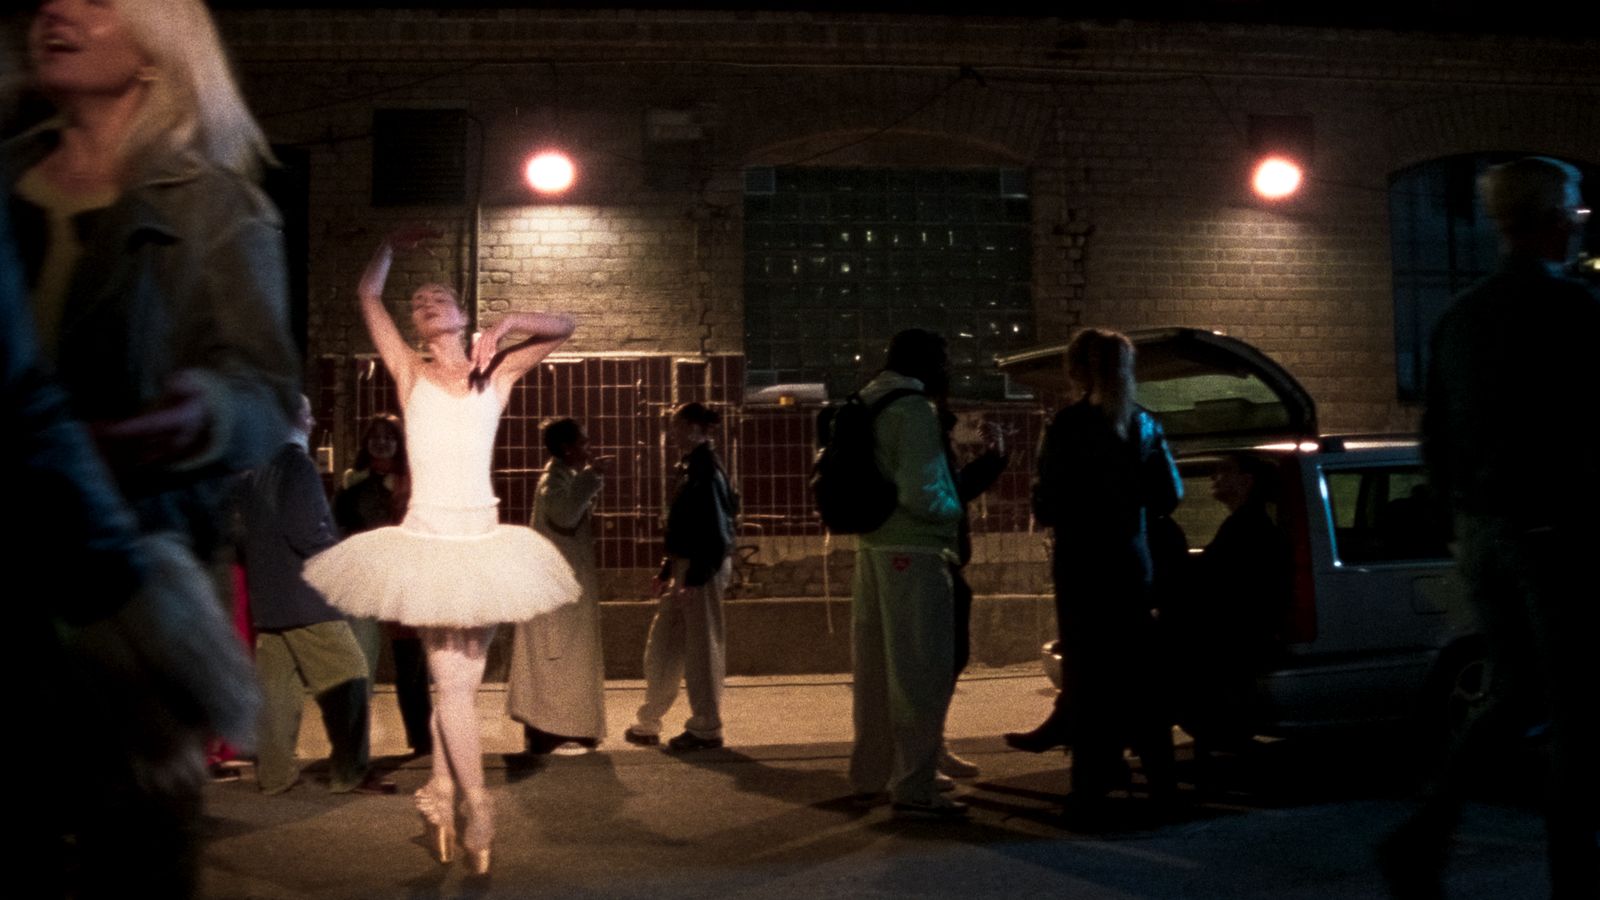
[[838, 260]]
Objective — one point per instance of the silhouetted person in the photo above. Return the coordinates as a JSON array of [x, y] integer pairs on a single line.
[[301, 642], [1104, 467], [1238, 590], [374, 493], [1511, 445], [972, 480]]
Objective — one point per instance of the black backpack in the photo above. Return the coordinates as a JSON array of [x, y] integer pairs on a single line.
[[852, 494]]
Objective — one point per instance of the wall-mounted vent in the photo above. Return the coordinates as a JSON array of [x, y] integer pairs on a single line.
[[419, 157]]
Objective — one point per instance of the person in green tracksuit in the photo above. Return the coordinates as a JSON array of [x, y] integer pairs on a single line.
[[902, 597]]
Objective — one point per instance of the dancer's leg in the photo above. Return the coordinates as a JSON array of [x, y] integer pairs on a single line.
[[456, 658]]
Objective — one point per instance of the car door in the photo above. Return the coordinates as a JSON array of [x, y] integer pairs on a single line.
[[1384, 584]]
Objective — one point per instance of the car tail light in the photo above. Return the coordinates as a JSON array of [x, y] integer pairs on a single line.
[[1300, 619]]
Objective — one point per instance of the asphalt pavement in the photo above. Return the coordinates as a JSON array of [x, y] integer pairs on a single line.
[[769, 817]]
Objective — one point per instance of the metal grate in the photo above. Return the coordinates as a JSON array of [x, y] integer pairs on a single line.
[[626, 402]]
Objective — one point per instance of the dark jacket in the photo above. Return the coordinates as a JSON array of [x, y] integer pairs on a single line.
[[79, 535], [366, 502], [700, 521], [286, 519], [185, 271], [1096, 488], [1242, 582], [1508, 430]]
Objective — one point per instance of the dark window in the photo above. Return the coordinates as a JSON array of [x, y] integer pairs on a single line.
[[1441, 242], [289, 186], [838, 260], [1386, 515], [419, 157]]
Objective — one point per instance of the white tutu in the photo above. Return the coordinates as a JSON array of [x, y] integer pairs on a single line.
[[451, 562], [419, 573]]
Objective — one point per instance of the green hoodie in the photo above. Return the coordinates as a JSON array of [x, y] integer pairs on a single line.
[[910, 450]]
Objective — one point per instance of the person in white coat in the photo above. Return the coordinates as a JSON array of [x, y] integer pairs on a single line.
[[556, 684]]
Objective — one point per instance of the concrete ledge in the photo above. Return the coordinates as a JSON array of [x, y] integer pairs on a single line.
[[802, 635]]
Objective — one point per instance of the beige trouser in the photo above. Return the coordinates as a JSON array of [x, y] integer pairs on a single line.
[[687, 643], [325, 659]]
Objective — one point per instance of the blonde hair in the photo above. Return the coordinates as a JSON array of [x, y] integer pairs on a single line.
[[1100, 364], [193, 104]]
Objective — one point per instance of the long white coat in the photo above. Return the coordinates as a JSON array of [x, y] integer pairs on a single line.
[[557, 678]]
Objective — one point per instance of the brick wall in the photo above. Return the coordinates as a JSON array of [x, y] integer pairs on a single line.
[[1133, 134]]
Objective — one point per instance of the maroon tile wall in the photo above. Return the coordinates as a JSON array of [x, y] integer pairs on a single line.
[[625, 403]]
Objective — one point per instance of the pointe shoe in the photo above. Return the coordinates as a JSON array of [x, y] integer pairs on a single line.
[[441, 841], [438, 824], [478, 833]]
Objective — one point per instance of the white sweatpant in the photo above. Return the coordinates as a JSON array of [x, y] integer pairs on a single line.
[[903, 654], [687, 643]]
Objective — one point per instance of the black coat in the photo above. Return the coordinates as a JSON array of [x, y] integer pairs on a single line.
[[700, 520], [1095, 488], [1507, 430], [286, 520], [79, 536]]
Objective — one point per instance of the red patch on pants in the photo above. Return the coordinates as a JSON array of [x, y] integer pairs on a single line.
[[901, 563]]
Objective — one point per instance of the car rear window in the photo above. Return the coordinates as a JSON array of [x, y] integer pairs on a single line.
[[1196, 401]]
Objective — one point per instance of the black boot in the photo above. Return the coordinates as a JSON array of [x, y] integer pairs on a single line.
[[1050, 734]]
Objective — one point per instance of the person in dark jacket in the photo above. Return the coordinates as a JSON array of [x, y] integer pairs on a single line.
[[1103, 468], [374, 494], [687, 638], [1510, 444], [155, 275], [1227, 626], [972, 480], [301, 641]]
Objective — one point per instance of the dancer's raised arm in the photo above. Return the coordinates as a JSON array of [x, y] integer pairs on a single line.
[[397, 355], [544, 332]]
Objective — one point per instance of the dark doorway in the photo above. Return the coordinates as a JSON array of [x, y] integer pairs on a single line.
[[289, 186]]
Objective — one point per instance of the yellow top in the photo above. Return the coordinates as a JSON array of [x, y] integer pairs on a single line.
[[62, 249]]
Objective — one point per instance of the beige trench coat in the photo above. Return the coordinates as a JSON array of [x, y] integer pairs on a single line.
[[557, 678]]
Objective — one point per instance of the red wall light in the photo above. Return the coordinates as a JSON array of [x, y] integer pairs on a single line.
[[550, 172]]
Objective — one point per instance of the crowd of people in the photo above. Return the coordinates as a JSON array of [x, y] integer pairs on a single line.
[[149, 384]]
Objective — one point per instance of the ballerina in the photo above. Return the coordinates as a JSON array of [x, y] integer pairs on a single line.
[[450, 569]]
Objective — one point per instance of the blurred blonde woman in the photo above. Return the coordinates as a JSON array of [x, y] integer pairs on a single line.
[[154, 269], [155, 265]]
